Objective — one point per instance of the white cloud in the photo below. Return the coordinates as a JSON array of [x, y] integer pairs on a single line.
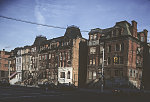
[[39, 17]]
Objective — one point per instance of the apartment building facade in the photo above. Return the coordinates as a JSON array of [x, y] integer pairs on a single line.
[[4, 64], [123, 54], [59, 57]]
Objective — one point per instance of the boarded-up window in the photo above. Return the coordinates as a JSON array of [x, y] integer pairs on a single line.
[[92, 50]]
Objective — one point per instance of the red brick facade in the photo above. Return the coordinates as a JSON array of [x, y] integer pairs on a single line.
[[123, 48]]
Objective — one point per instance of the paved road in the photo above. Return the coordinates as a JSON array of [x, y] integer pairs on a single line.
[[21, 94]]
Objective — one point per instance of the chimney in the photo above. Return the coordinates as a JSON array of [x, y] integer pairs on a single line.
[[145, 33], [134, 29]]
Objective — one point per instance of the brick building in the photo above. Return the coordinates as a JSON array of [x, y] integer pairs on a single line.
[[123, 48], [59, 58], [146, 75], [4, 64]]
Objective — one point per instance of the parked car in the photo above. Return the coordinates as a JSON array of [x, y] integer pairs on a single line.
[[4, 83], [47, 85], [66, 86]]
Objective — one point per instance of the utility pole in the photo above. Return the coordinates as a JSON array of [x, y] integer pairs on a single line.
[[9, 70], [102, 85]]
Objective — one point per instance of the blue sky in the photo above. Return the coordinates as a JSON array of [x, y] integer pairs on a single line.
[[86, 14]]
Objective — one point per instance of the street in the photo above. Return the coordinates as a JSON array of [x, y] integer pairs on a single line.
[[23, 94]]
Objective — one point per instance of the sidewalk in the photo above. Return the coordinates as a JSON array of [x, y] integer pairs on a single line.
[[94, 90]]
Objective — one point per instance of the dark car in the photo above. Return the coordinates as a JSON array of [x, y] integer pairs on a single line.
[[47, 85], [66, 86], [4, 83]]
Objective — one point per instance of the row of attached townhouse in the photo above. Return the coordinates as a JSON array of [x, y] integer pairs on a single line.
[[71, 59], [55, 60]]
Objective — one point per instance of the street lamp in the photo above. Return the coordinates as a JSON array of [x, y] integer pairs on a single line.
[[102, 85], [102, 70]]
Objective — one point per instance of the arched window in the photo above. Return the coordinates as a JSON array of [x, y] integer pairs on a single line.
[[68, 75]]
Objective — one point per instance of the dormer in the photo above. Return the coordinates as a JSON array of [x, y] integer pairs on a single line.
[[95, 34]]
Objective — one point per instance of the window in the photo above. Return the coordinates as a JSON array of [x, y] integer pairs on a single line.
[[61, 63], [92, 50], [94, 61], [108, 60], [101, 49], [52, 55], [95, 36], [64, 56], [91, 37], [138, 50], [62, 74], [142, 38], [69, 62], [114, 32], [122, 47], [118, 60], [2, 73], [49, 56], [45, 57], [6, 65], [42, 57], [69, 55], [90, 61], [94, 75], [131, 72], [121, 73], [101, 61], [64, 63], [68, 75], [109, 48], [117, 47], [116, 72], [90, 75]]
